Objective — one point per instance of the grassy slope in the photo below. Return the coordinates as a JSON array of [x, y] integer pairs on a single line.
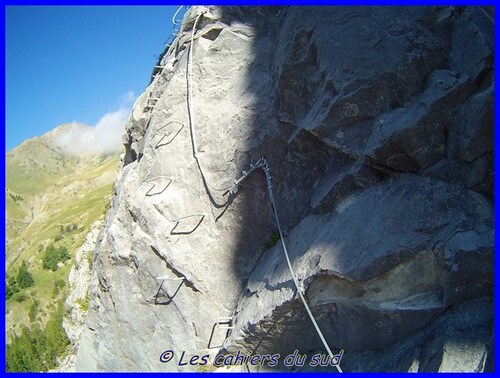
[[34, 165], [31, 168], [49, 188]]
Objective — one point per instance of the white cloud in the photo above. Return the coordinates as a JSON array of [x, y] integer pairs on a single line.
[[127, 99], [104, 137]]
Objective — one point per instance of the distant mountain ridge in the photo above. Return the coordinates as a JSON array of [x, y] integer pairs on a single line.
[[34, 166], [52, 197], [49, 136]]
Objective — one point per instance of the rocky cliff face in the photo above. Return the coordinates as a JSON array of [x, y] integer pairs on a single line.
[[76, 303], [377, 124]]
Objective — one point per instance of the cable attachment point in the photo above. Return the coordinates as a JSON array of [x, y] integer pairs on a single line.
[[261, 163]]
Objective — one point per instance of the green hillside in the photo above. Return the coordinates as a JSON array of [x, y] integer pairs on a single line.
[[52, 198]]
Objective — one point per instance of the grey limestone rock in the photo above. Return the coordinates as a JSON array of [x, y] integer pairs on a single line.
[[377, 124]]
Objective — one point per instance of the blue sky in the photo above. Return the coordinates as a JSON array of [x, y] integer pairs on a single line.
[[77, 63]]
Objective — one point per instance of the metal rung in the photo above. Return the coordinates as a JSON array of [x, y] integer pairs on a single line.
[[168, 138], [189, 216], [176, 231], [223, 320], [154, 182], [157, 71], [162, 280], [165, 278], [149, 107]]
